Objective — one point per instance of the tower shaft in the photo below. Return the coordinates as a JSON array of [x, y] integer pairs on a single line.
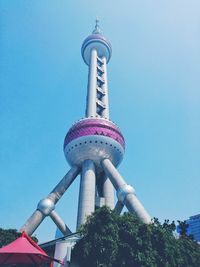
[[87, 192], [97, 93]]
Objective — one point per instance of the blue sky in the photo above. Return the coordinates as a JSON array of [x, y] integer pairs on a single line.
[[154, 92]]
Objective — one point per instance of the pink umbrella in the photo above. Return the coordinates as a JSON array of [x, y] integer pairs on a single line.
[[24, 251]]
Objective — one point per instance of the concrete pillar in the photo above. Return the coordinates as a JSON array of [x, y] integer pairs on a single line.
[[92, 84], [46, 205], [33, 222], [119, 207], [63, 251], [125, 192], [112, 174], [60, 223], [87, 192], [108, 192], [134, 205], [60, 254], [64, 184], [105, 112]]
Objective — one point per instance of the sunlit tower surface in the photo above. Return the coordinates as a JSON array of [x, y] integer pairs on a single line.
[[93, 147]]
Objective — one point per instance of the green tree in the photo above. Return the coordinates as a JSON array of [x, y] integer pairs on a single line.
[[99, 243], [110, 240]]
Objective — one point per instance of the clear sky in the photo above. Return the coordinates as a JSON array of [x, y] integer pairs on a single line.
[[154, 92]]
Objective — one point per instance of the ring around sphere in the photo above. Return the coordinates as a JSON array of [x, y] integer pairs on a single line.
[[123, 191], [46, 206], [98, 42]]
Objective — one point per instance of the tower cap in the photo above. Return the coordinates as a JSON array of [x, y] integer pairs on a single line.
[[96, 41]]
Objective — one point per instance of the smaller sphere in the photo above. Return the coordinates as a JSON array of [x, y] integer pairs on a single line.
[[123, 191], [46, 206], [98, 42]]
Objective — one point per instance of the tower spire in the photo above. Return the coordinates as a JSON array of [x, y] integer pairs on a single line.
[[97, 29], [96, 52]]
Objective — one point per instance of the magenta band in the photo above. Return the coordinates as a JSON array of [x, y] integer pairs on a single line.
[[94, 127]]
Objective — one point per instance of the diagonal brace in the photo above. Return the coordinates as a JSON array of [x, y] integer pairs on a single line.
[[47, 205], [125, 193]]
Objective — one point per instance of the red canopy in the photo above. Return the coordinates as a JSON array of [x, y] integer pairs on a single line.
[[24, 251]]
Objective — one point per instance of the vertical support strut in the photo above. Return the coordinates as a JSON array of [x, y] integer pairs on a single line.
[[125, 193], [87, 192], [108, 192], [91, 93], [105, 111], [119, 207], [33, 222]]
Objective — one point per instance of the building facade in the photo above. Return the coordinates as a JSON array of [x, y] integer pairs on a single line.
[[194, 226]]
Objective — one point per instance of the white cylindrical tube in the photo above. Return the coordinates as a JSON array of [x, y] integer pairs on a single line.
[[87, 192], [63, 185], [92, 85], [105, 112], [38, 216], [33, 222], [60, 223], [134, 205], [112, 173], [125, 193], [60, 253], [119, 207], [108, 192]]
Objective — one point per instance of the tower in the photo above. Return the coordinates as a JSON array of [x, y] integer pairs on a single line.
[[93, 147]]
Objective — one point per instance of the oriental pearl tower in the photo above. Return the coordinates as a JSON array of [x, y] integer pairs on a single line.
[[94, 147]]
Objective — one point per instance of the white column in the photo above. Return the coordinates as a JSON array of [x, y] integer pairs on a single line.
[[125, 193], [87, 192], [60, 223], [113, 174], [119, 207], [60, 254], [33, 222], [92, 84], [105, 113], [64, 184], [108, 192]]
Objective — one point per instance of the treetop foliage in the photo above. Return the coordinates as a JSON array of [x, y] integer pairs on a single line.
[[110, 240]]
